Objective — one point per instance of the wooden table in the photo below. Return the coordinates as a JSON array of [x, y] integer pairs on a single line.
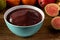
[[45, 33]]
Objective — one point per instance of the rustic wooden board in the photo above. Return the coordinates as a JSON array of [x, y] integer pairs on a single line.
[[45, 33]]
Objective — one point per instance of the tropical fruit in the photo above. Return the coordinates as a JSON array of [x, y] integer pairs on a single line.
[[52, 9], [2, 4], [43, 3], [29, 2], [13, 2], [56, 22]]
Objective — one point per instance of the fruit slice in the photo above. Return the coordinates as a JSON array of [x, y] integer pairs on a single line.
[[29, 2], [13, 2], [52, 9], [56, 22]]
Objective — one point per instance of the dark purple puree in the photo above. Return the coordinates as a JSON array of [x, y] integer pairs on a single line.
[[24, 17]]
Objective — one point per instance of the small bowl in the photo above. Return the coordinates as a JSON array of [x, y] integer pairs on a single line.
[[24, 31]]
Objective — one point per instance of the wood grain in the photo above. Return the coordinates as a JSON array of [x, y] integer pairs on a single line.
[[45, 33]]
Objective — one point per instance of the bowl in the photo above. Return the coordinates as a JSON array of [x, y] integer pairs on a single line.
[[24, 31]]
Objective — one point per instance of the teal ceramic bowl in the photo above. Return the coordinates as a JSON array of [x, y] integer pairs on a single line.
[[24, 31]]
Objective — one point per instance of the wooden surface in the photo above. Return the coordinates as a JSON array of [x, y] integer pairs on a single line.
[[45, 33]]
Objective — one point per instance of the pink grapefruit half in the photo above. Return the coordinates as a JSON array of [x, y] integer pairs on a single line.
[[52, 9], [56, 22]]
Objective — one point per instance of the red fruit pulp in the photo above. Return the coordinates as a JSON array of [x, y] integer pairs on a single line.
[[52, 9], [56, 22]]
